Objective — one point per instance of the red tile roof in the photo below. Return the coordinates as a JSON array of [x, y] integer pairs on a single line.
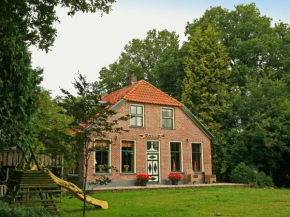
[[143, 92]]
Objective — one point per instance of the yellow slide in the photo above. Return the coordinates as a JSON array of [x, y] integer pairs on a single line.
[[78, 192], [75, 190]]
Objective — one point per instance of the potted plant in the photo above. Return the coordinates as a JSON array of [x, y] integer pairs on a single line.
[[101, 168], [126, 167], [174, 178], [142, 179]]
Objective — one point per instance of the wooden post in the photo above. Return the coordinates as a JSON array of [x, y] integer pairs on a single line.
[[61, 175]]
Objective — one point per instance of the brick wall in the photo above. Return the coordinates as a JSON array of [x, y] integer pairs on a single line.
[[186, 132]]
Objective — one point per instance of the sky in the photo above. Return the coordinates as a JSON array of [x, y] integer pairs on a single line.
[[88, 42]]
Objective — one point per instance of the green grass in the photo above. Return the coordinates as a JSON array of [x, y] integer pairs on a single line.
[[211, 201]]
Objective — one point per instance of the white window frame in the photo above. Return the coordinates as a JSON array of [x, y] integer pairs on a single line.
[[168, 118], [201, 148], [181, 157], [143, 109], [109, 156], [134, 170]]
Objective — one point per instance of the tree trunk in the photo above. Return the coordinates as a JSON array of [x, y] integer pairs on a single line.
[[85, 183]]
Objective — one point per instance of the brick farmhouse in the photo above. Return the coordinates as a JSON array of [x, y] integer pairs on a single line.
[[164, 136]]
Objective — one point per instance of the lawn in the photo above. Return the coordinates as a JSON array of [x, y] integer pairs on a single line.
[[210, 201]]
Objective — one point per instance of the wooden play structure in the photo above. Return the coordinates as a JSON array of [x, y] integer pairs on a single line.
[[31, 183]]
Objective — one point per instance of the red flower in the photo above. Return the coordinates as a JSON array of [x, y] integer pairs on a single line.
[[174, 177], [143, 177]]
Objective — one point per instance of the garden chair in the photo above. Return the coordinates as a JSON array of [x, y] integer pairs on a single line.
[[209, 178], [191, 177]]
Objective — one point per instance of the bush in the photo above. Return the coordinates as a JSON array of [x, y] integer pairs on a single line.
[[264, 180], [242, 174], [7, 211]]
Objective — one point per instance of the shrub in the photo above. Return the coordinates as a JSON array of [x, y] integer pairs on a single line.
[[242, 174], [264, 180], [7, 211]]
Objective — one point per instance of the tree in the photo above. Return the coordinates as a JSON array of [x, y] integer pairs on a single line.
[[205, 90], [92, 120], [51, 127], [23, 23], [19, 86], [34, 20], [254, 46], [152, 59], [263, 135]]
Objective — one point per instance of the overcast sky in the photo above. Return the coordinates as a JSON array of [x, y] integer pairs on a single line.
[[88, 42]]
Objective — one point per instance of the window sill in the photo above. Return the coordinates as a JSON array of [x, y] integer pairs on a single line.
[[128, 173], [102, 174], [197, 172], [178, 172], [137, 127], [165, 128]]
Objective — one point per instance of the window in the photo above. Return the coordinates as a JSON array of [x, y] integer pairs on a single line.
[[175, 155], [74, 170], [127, 161], [167, 118], [101, 156], [196, 157], [136, 113]]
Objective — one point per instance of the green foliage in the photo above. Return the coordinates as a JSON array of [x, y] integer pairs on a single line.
[[51, 127], [263, 132], [34, 20], [254, 129], [7, 211], [207, 72], [18, 92], [152, 59], [242, 174], [264, 180]]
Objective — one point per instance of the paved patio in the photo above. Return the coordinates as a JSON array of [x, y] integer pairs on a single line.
[[132, 188]]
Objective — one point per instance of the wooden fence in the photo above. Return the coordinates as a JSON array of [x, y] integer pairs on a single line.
[[3, 189], [13, 157]]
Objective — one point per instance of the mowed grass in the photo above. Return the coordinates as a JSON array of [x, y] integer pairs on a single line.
[[209, 201]]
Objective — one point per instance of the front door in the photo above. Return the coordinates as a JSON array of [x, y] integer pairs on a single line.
[[153, 160]]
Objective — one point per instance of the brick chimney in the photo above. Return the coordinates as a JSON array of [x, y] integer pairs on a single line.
[[132, 79]]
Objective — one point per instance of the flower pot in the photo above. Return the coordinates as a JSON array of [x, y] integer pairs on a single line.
[[100, 169], [174, 182], [143, 183]]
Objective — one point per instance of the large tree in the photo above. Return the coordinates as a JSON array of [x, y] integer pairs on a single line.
[[262, 135], [152, 59], [23, 23], [19, 86], [255, 47]]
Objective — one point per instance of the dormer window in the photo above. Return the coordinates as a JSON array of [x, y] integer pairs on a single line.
[[136, 116], [167, 118]]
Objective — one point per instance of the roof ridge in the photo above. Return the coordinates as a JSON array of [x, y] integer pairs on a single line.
[[163, 92]]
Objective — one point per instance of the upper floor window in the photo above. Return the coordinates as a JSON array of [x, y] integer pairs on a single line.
[[167, 118], [136, 116]]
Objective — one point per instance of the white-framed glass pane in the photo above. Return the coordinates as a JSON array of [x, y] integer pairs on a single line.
[[139, 110], [139, 121], [133, 109], [133, 121]]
